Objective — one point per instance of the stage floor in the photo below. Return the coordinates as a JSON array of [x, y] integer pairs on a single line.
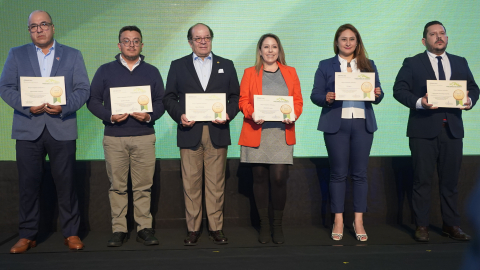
[[388, 247]]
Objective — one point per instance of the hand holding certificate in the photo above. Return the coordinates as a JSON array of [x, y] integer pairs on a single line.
[[273, 108], [205, 107], [35, 91], [355, 86], [131, 99], [447, 94]]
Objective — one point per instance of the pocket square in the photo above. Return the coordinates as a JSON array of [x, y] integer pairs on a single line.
[[220, 70]]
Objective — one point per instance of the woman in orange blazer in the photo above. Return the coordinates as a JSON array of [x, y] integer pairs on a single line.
[[268, 146]]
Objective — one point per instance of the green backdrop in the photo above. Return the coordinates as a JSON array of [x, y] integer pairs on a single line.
[[391, 31]]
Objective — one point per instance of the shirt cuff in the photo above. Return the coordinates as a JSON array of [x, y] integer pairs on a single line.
[[419, 104]]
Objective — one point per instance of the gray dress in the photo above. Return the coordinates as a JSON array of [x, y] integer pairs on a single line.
[[273, 147]]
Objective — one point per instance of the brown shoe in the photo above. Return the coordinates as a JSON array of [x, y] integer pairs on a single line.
[[23, 245], [421, 234], [73, 243], [455, 233], [191, 239]]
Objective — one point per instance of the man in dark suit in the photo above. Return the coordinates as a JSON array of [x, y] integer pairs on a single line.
[[202, 144], [46, 128], [435, 134]]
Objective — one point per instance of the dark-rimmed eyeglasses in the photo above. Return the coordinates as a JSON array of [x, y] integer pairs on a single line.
[[206, 39], [43, 25], [127, 42]]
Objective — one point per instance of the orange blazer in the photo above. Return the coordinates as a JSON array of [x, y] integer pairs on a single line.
[[252, 85]]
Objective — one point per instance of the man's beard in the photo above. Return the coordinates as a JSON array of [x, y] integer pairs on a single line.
[[131, 58]]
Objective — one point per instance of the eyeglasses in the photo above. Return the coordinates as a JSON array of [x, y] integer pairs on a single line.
[[43, 25], [127, 42], [206, 39]]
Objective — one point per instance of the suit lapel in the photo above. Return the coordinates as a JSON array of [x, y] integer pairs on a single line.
[[336, 64], [428, 66], [32, 55], [453, 66], [214, 73], [286, 78], [57, 59], [191, 69], [258, 82]]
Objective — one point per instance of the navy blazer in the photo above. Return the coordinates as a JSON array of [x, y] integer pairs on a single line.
[[411, 84], [23, 61], [332, 113], [183, 79]]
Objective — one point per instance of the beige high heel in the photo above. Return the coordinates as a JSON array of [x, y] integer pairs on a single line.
[[360, 237], [337, 236]]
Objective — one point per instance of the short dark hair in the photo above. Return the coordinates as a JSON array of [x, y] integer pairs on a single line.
[[130, 28], [190, 35], [425, 31]]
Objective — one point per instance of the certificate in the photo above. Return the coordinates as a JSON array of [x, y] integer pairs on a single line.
[[355, 86], [447, 94], [35, 91], [131, 99], [273, 108], [206, 107]]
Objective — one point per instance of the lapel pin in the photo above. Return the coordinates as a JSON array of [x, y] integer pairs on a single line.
[[58, 58], [218, 62]]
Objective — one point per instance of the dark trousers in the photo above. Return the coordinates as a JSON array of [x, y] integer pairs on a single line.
[[349, 148], [30, 163], [444, 152]]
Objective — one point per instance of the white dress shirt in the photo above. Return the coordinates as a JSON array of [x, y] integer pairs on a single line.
[[351, 109]]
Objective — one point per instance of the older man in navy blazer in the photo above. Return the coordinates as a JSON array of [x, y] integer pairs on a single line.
[[46, 128], [202, 144], [435, 134]]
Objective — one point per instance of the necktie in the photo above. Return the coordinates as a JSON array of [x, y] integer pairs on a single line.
[[441, 72]]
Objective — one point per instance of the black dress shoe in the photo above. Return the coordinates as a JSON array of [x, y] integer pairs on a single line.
[[147, 237], [117, 239], [421, 234], [191, 239], [455, 233], [218, 237]]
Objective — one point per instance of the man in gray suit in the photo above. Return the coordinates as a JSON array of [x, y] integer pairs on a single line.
[[46, 128]]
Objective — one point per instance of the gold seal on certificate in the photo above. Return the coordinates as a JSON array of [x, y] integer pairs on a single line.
[[143, 101], [217, 108], [56, 93], [458, 95], [367, 88], [286, 110]]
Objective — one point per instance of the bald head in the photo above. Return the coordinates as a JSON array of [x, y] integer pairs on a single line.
[[37, 11]]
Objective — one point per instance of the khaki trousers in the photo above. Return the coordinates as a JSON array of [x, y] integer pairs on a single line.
[[136, 153], [192, 162]]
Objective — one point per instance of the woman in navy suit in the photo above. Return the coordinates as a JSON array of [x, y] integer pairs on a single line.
[[347, 127]]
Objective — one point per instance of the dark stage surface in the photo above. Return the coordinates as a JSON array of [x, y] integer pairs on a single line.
[[388, 247], [307, 218]]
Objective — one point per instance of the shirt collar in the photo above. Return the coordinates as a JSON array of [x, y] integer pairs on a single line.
[[434, 56], [344, 62], [125, 62], [51, 48], [196, 57]]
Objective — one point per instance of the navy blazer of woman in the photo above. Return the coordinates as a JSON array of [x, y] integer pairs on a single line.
[[331, 113]]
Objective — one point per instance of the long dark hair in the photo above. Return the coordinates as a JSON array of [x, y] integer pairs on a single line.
[[363, 64]]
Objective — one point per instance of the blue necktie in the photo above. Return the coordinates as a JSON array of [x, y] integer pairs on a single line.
[[441, 72]]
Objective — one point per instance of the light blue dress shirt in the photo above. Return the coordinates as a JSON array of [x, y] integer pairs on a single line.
[[203, 69], [45, 61]]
